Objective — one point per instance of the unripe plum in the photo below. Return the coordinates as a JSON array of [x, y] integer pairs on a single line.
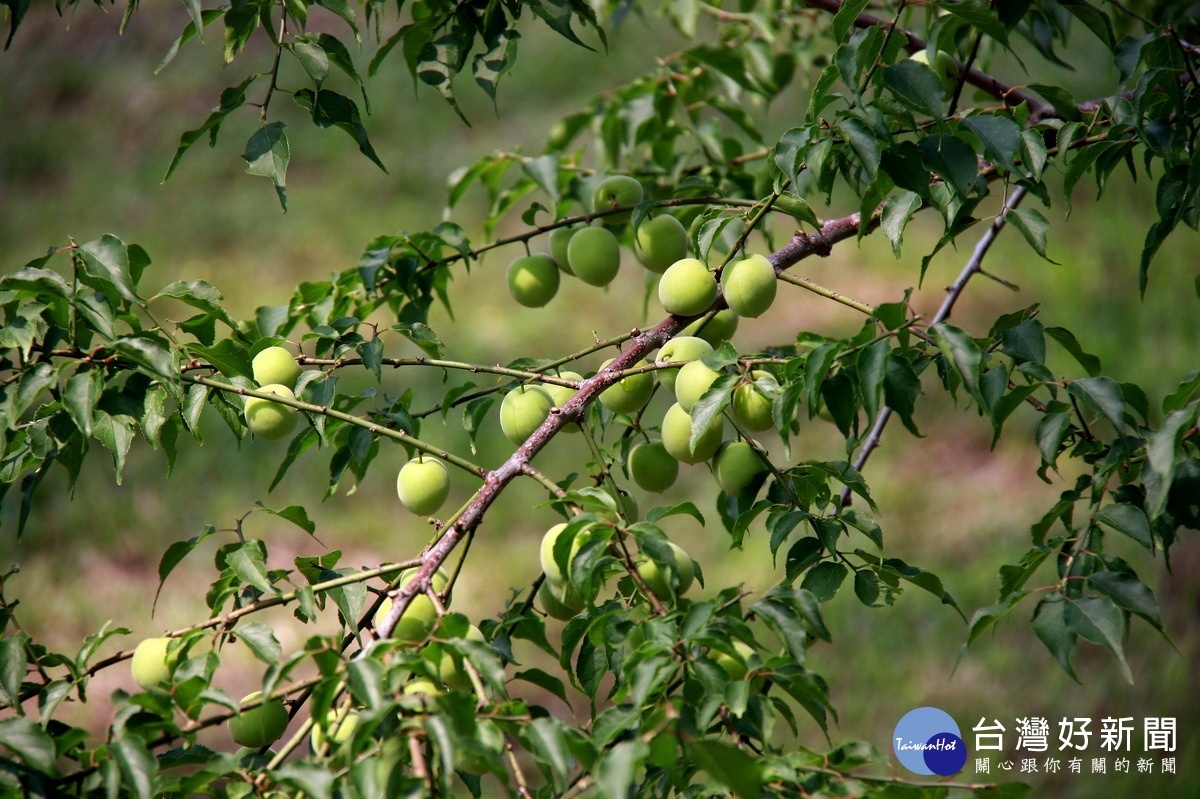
[[677, 436], [652, 467], [261, 725], [533, 279], [594, 255], [151, 665], [680, 348], [617, 190], [687, 288], [721, 327], [275, 365], [269, 420], [657, 581], [423, 485], [628, 394], [736, 466], [752, 408], [522, 411], [749, 286], [660, 242]]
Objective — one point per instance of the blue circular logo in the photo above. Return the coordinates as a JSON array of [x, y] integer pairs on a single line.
[[927, 741]]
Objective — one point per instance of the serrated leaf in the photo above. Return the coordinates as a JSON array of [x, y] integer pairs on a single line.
[[116, 434], [231, 358], [138, 767], [330, 109], [248, 562], [261, 640], [12, 668], [684, 508], [963, 355], [615, 772], [1129, 520], [728, 765], [897, 210], [1104, 395], [1001, 140], [1050, 625], [173, 557], [232, 99], [198, 294], [149, 352], [267, 155], [423, 336], [1100, 621], [107, 260], [30, 743], [548, 743], [80, 397], [1033, 226]]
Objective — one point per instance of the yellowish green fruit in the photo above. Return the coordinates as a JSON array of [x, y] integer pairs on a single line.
[[423, 485], [660, 242], [275, 365], [736, 466], [421, 687], [420, 615], [260, 725], [562, 394], [749, 286], [555, 602], [339, 727], [151, 664], [721, 327], [687, 288], [751, 408], [594, 255], [450, 668], [522, 411], [693, 380], [652, 467], [628, 394], [677, 435], [554, 574], [943, 66], [617, 190], [269, 420], [558, 240], [533, 279], [736, 668], [656, 579], [680, 348]]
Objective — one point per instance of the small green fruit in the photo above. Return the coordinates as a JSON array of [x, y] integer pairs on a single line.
[[736, 668], [693, 380], [652, 467], [736, 466], [338, 728], [687, 288], [555, 602], [554, 575], [660, 242], [421, 687], [629, 393], [677, 435], [943, 65], [151, 665], [420, 615], [749, 286], [558, 240], [721, 327], [275, 365], [522, 411], [657, 581], [450, 669], [617, 190], [260, 725], [594, 255], [533, 279], [269, 420], [680, 348], [561, 395], [751, 408], [423, 485]]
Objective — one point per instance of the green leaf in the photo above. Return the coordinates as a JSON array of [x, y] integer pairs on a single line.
[[897, 210], [963, 355], [200, 20], [267, 155], [824, 579], [843, 20], [728, 765], [499, 58], [616, 771], [1100, 621], [863, 142], [230, 357], [174, 556], [80, 397], [953, 159], [30, 743], [12, 668], [1033, 226], [1129, 520], [296, 514], [1184, 394], [137, 766], [315, 780], [684, 508], [1129, 593], [106, 260], [116, 434], [198, 294], [36, 283], [248, 561], [1104, 395], [1050, 625], [261, 640], [330, 109], [918, 86], [232, 99], [149, 352], [1000, 137], [1162, 450], [548, 743], [423, 336]]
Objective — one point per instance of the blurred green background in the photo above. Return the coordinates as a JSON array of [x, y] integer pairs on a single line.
[[88, 131]]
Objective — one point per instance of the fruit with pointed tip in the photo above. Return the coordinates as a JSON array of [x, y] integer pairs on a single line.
[[660, 242], [693, 380], [522, 411], [680, 348], [628, 394], [533, 279], [594, 255], [652, 467], [261, 725], [658, 581], [687, 288], [677, 436], [269, 420], [275, 365], [719, 328], [749, 286], [752, 408], [736, 466], [423, 485], [617, 190], [151, 664]]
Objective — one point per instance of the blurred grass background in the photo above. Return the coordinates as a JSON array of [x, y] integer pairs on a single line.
[[88, 133]]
